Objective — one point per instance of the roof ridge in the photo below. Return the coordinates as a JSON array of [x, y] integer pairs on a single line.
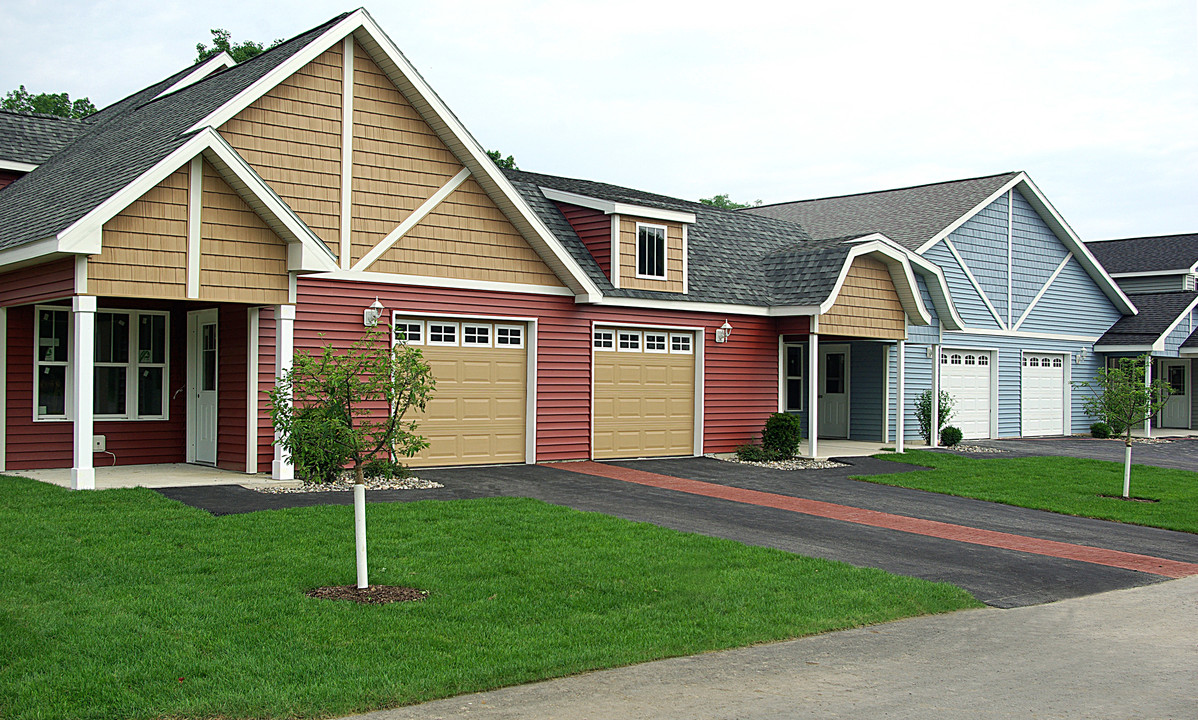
[[1144, 237], [46, 116], [888, 190]]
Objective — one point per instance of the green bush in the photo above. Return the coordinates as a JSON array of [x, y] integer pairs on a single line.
[[319, 450], [923, 412], [1117, 428], [950, 435], [385, 469], [1100, 430], [781, 436], [752, 453]]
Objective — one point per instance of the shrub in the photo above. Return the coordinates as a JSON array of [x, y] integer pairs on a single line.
[[781, 436], [1117, 428], [1100, 430], [752, 453], [923, 412], [385, 469], [950, 435]]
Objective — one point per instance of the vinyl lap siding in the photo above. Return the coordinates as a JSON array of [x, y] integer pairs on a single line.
[[594, 229], [1036, 253], [266, 383], [49, 281], [965, 297], [1159, 283], [1174, 339], [982, 242], [1058, 309], [918, 377], [866, 391], [231, 389]]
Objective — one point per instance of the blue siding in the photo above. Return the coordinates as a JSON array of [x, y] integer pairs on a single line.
[[982, 243], [1073, 305], [918, 378], [965, 297], [865, 391], [1159, 283], [927, 297], [1174, 339], [1036, 253]]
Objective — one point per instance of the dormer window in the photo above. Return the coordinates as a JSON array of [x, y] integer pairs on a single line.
[[651, 251]]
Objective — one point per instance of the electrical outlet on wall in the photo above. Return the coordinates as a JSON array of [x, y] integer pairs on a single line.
[[99, 443]]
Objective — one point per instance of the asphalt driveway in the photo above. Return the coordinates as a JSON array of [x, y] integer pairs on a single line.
[[1178, 453], [997, 575]]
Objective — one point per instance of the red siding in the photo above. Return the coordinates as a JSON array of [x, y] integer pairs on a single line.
[[7, 177], [50, 281], [32, 445], [231, 388], [741, 379], [594, 228], [266, 382]]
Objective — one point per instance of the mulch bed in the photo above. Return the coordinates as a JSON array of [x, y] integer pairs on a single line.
[[1129, 499], [370, 595]]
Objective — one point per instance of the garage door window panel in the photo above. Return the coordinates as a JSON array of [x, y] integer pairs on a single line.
[[409, 332], [655, 343], [476, 335], [630, 342], [681, 344], [605, 340], [511, 336], [440, 333]]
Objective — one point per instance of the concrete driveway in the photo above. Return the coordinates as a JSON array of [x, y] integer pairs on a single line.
[[1005, 556]]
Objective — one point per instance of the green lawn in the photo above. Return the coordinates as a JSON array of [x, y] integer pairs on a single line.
[[1070, 486], [121, 603]]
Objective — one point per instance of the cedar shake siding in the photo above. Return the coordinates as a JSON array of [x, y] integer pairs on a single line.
[[594, 229], [54, 280], [741, 377], [144, 251], [292, 138], [674, 256], [242, 259], [868, 305]]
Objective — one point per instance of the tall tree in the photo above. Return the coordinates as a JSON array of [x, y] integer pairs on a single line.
[[722, 201], [240, 52], [507, 163], [21, 100]]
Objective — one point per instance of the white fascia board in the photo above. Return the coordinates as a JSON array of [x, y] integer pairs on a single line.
[[14, 166], [1153, 273], [1188, 352], [938, 289], [610, 207], [1181, 317], [901, 276], [974, 211], [720, 308], [1124, 348], [315, 256], [429, 281], [214, 63], [30, 254], [483, 170], [1029, 334]]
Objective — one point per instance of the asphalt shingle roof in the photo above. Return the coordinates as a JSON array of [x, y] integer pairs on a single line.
[[910, 216], [32, 137], [1146, 254], [124, 141], [1157, 312], [734, 257]]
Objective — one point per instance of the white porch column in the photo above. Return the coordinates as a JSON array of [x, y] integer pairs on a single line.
[[812, 394], [934, 435], [1148, 387], [281, 468], [83, 363], [901, 403]]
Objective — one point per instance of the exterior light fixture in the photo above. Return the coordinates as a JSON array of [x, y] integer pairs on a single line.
[[1080, 357], [723, 332], [371, 315]]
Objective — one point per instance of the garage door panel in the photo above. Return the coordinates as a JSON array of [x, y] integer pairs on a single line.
[[966, 376], [644, 404], [1042, 394]]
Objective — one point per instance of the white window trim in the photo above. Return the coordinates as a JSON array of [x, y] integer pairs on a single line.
[[665, 252], [665, 344], [396, 322], [785, 395], [690, 343], [457, 333], [487, 327], [611, 337], [518, 328], [131, 367], [620, 334]]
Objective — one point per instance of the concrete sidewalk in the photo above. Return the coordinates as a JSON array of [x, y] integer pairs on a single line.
[[1123, 654]]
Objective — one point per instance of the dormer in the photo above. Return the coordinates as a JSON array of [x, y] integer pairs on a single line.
[[637, 247]]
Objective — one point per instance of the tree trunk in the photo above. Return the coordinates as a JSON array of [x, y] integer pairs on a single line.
[[360, 525]]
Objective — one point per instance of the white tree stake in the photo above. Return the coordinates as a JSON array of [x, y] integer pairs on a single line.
[[360, 533], [1127, 471]]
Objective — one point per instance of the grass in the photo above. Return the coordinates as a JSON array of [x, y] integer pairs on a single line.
[[121, 603], [1070, 486]]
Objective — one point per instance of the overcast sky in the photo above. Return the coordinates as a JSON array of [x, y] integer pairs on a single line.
[[1097, 101]]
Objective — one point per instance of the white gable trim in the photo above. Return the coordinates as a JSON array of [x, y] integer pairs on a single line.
[[974, 281], [1043, 289], [217, 62], [1153, 273], [14, 166], [896, 260], [306, 252], [412, 220], [443, 122], [1059, 227], [941, 297], [609, 207]]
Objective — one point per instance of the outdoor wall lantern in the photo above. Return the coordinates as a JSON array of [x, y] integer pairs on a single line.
[[723, 332], [1080, 357], [371, 315]]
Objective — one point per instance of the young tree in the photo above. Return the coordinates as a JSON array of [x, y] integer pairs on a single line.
[[1122, 399], [21, 100], [923, 412], [347, 406]]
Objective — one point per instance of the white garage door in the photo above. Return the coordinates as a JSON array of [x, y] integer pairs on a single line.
[[1043, 396], [965, 374]]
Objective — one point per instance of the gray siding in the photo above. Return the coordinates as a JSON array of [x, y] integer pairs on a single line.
[[1156, 283], [866, 391], [1073, 305]]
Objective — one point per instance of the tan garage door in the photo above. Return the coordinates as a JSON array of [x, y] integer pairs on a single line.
[[644, 393], [477, 414]]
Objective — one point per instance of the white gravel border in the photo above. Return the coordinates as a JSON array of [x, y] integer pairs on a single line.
[[793, 464], [345, 485]]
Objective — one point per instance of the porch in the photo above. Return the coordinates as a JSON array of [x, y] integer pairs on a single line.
[[158, 475]]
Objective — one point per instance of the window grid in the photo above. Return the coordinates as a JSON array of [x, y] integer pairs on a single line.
[[604, 340], [409, 332], [651, 251], [509, 336], [630, 341], [440, 333], [476, 335], [655, 343], [680, 344]]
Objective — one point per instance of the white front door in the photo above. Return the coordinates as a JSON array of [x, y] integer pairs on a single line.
[[834, 391], [201, 381], [1176, 413], [1043, 394]]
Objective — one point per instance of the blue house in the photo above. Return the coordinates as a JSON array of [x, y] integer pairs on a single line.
[[1027, 304], [1159, 274]]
